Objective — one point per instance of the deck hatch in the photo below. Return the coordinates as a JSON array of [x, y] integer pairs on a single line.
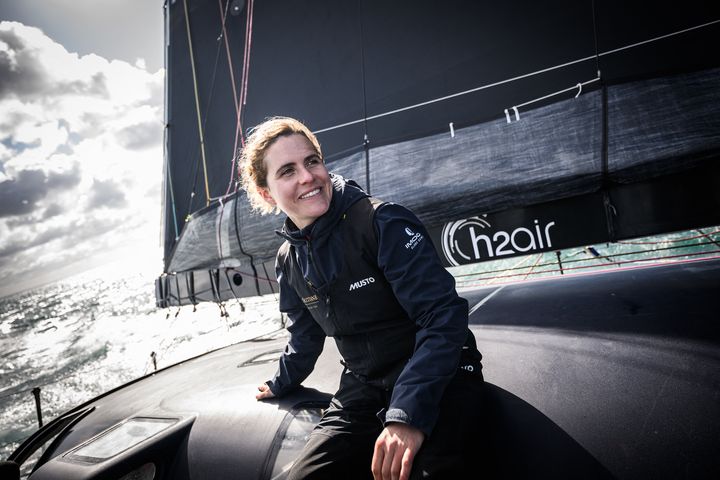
[[119, 438]]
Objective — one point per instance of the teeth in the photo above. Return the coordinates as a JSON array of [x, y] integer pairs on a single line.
[[311, 194]]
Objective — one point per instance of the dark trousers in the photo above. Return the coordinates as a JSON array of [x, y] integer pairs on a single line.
[[341, 446]]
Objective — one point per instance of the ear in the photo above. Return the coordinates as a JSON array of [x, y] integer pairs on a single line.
[[266, 195]]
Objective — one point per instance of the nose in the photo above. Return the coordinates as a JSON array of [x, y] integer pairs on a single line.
[[304, 175]]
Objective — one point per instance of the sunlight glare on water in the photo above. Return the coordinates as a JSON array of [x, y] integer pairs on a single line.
[[78, 338]]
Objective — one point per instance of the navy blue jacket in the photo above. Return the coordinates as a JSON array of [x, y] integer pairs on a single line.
[[421, 285]]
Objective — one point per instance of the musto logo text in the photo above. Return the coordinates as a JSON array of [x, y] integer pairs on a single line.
[[472, 239]]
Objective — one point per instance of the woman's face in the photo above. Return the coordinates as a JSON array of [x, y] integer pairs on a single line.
[[298, 182]]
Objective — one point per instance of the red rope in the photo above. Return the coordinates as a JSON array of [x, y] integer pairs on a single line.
[[237, 102]]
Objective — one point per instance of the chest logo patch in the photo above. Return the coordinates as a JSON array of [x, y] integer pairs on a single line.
[[361, 283], [310, 299]]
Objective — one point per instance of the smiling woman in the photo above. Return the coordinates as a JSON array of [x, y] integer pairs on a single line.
[[297, 181], [364, 272]]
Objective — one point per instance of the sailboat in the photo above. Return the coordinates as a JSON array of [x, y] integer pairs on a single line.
[[509, 128]]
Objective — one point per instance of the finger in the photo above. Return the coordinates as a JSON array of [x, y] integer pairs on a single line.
[[377, 461], [407, 463], [396, 464], [388, 461], [265, 392]]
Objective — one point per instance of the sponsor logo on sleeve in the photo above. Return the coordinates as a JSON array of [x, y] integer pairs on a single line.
[[415, 239]]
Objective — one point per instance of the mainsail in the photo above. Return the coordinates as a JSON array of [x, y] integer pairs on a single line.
[[507, 127]]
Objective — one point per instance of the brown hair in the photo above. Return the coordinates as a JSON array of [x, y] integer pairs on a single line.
[[252, 169]]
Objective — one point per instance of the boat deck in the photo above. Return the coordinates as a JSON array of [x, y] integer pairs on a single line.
[[621, 366], [615, 374]]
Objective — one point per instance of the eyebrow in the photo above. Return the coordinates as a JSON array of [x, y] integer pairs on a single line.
[[314, 154]]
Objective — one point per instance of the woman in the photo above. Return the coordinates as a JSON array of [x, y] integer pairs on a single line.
[[365, 273]]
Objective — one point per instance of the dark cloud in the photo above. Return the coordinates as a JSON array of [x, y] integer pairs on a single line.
[[22, 73], [140, 136], [106, 193], [19, 195]]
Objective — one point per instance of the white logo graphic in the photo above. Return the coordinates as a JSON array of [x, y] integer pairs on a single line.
[[361, 283], [415, 238], [521, 240]]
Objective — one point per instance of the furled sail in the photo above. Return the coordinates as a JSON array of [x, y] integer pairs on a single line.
[[508, 127]]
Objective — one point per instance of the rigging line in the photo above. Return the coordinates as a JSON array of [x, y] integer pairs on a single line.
[[510, 80], [246, 67], [211, 94], [558, 92], [579, 260], [595, 38], [197, 103], [227, 48], [661, 37], [238, 125], [172, 201]]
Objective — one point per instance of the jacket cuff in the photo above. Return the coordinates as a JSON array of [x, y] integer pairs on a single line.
[[276, 389], [396, 415]]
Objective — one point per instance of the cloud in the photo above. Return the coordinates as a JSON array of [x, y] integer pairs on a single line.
[[140, 136], [20, 195], [106, 193], [80, 148]]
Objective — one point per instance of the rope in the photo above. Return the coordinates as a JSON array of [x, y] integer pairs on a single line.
[[248, 44], [197, 103], [529, 272], [703, 235], [637, 252], [581, 267], [238, 109]]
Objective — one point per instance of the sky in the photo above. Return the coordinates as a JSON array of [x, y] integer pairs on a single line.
[[81, 133]]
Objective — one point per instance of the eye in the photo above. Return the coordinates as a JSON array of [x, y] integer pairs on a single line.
[[285, 172], [312, 161]]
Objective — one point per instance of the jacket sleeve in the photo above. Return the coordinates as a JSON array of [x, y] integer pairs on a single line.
[[426, 291], [304, 346]]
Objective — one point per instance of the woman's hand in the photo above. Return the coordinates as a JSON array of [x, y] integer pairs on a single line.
[[395, 451], [265, 392]]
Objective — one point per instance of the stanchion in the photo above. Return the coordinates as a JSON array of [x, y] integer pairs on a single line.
[[559, 262], [36, 394]]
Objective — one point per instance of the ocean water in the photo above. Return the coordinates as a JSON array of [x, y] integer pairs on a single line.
[[81, 337]]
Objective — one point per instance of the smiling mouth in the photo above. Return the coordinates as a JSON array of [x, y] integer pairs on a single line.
[[311, 193]]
